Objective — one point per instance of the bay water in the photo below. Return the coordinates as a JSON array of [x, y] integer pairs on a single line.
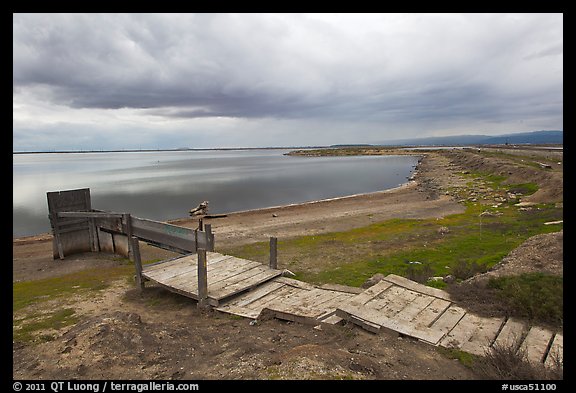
[[165, 185]]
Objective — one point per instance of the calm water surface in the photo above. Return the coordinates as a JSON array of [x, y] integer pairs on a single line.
[[166, 185]]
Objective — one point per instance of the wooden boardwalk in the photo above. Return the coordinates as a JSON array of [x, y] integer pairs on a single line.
[[293, 300], [395, 304], [428, 314], [227, 275]]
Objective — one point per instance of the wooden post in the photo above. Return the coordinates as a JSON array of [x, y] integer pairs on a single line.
[[137, 262], [273, 253], [56, 230], [200, 224], [128, 230], [209, 237], [202, 279]]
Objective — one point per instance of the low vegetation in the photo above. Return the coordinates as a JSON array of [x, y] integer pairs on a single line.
[[40, 325], [459, 245]]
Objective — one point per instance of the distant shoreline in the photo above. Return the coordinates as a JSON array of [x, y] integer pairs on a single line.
[[172, 150]]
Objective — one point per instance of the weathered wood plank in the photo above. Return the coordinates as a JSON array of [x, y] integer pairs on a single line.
[[88, 214], [397, 304], [342, 288], [168, 234], [258, 293], [415, 307], [240, 311], [275, 296], [202, 279], [485, 333], [224, 272], [461, 332], [236, 279], [309, 304], [295, 283], [511, 335], [365, 296], [536, 343], [257, 279], [431, 313], [443, 324], [331, 305], [367, 325], [555, 357], [105, 240], [417, 287], [332, 319], [273, 262]]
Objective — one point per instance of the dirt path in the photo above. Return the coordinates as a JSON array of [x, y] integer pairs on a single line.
[[124, 334]]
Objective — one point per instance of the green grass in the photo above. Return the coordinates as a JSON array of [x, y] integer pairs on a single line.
[[474, 243], [26, 330], [26, 293], [534, 296], [29, 326]]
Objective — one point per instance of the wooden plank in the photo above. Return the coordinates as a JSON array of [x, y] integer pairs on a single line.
[[536, 343], [366, 325], [332, 320], [225, 271], [414, 308], [137, 263], [309, 304], [202, 279], [105, 241], [164, 233], [237, 310], [273, 263], [397, 303], [461, 332], [342, 288], [431, 313], [511, 335], [362, 298], [257, 293], [242, 273], [172, 272], [417, 287], [109, 224], [275, 296], [443, 324], [257, 279], [555, 357], [216, 272], [331, 305], [187, 259], [295, 283], [480, 341], [88, 214], [120, 244]]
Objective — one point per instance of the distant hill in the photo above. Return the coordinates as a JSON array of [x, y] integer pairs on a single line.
[[534, 137]]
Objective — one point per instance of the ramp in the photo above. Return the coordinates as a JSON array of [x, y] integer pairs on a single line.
[[226, 275]]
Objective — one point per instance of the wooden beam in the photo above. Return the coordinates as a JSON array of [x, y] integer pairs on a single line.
[[273, 253], [137, 262], [209, 237], [202, 279], [89, 215]]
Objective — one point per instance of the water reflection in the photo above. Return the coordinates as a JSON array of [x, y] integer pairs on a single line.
[[165, 185]]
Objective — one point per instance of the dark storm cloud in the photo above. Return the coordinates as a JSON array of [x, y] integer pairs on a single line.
[[402, 70]]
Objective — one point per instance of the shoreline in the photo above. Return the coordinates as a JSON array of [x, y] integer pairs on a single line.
[[411, 182], [45, 236]]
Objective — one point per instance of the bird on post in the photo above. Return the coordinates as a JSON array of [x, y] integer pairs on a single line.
[[199, 210]]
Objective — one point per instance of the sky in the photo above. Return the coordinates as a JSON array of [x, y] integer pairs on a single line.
[[155, 81]]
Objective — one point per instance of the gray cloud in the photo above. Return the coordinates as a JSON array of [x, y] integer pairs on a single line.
[[398, 70]]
